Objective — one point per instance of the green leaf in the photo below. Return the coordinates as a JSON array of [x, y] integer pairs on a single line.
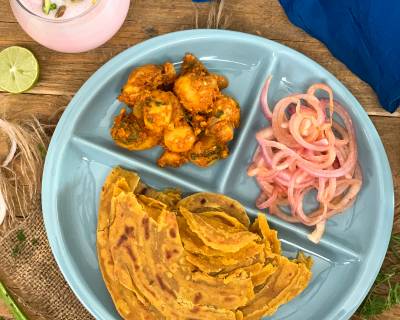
[[10, 303], [374, 305], [21, 235], [394, 295], [387, 279], [395, 245]]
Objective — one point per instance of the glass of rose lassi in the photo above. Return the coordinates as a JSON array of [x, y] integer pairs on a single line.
[[70, 25]]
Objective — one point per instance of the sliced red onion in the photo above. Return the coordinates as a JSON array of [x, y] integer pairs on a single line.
[[299, 153]]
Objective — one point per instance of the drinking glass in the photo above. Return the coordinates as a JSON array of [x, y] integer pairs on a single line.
[[86, 31]]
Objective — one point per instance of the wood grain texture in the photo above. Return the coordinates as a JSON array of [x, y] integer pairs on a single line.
[[150, 18], [389, 129], [63, 74]]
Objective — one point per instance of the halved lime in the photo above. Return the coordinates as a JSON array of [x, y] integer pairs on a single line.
[[19, 69]]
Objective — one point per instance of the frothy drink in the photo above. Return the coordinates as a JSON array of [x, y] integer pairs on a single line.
[[70, 25], [58, 9]]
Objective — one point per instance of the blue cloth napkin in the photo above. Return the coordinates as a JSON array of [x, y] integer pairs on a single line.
[[363, 34]]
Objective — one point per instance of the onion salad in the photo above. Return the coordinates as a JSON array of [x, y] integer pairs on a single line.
[[305, 149]]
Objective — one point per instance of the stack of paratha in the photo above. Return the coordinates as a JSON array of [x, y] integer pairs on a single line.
[[163, 257]]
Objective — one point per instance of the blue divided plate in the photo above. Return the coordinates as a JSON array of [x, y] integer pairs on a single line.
[[82, 153]]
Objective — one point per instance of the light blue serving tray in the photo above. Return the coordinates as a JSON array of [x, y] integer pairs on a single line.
[[82, 153]]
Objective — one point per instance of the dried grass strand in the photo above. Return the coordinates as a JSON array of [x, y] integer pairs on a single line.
[[215, 15], [196, 15], [20, 174], [211, 14], [4, 125], [3, 208], [220, 8]]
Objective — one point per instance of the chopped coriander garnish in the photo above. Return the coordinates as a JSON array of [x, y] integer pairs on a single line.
[[207, 153], [219, 113], [187, 117], [34, 241], [133, 136]]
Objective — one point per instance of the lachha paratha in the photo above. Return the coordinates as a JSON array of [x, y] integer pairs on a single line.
[[163, 257]]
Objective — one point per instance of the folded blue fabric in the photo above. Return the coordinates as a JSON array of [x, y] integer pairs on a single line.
[[363, 34]]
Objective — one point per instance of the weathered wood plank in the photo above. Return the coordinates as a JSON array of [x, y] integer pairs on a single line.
[[63, 74], [147, 19], [43, 107], [388, 129]]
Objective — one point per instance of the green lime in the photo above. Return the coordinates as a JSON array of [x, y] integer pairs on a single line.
[[19, 69]]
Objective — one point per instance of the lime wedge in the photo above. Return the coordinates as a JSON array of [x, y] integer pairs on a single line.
[[19, 69]]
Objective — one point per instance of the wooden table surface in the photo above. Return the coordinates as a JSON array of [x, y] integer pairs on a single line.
[[63, 74]]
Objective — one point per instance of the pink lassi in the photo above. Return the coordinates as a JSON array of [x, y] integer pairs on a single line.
[[58, 9], [70, 25]]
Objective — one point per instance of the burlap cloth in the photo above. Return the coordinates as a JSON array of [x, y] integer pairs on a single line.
[[33, 276]]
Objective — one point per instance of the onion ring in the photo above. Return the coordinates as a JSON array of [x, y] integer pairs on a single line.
[[304, 150]]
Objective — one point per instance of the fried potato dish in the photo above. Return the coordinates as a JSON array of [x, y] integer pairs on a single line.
[[186, 114], [199, 257]]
